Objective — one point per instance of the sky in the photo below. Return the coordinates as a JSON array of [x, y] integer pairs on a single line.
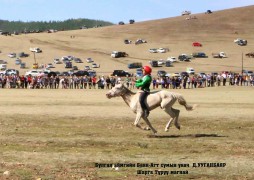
[[108, 10]]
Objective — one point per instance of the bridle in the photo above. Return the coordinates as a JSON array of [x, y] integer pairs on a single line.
[[123, 91]]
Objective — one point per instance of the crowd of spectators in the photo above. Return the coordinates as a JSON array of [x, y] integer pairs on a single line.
[[102, 82]]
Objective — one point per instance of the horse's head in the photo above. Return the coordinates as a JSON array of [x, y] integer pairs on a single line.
[[118, 90]]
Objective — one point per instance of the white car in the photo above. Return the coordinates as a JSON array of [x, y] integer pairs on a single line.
[[50, 65], [34, 73], [172, 59], [12, 55], [89, 60], [57, 61], [36, 50], [186, 13], [161, 62], [162, 50], [9, 72], [87, 68], [190, 70], [153, 50], [94, 65]]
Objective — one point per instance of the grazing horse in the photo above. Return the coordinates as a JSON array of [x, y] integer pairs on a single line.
[[163, 99]]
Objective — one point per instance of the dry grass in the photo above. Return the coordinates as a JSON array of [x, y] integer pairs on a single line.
[[46, 135]]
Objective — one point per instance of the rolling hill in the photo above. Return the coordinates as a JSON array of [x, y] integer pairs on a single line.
[[215, 31]]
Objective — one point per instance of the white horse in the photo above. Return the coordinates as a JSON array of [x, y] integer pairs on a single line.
[[163, 99]]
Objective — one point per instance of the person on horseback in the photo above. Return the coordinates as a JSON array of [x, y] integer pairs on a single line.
[[144, 84]]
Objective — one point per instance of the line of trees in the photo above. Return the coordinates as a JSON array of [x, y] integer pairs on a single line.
[[70, 24]]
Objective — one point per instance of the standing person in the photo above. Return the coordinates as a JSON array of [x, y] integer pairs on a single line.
[[92, 82], [144, 84]]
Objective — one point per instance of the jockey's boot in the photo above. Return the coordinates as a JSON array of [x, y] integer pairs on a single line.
[[146, 113]]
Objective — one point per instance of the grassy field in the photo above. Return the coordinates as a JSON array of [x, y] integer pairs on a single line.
[[62, 134]]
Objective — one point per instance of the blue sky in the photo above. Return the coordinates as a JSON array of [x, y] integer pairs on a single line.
[[108, 10]]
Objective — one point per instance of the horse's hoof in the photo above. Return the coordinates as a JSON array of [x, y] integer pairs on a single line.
[[147, 129], [178, 127], [166, 130]]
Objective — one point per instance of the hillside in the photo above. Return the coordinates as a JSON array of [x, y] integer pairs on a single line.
[[215, 31]]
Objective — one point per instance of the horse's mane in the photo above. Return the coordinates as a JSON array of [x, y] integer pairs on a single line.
[[128, 91]]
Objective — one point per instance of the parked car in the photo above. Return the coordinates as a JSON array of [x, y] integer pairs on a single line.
[[22, 54], [135, 65], [154, 63], [208, 12], [196, 44], [57, 61], [117, 54], [161, 62], [22, 65], [162, 50], [168, 63], [219, 55], [127, 41], [199, 55], [184, 57], [18, 61], [89, 60], [50, 65], [95, 65], [12, 55], [34, 73], [87, 68], [81, 73], [186, 13], [240, 42], [36, 50], [161, 73], [172, 59], [190, 70], [3, 62], [184, 73], [153, 50], [71, 72], [65, 73], [74, 68], [3, 66], [92, 73], [247, 72], [78, 60], [121, 73], [68, 64]]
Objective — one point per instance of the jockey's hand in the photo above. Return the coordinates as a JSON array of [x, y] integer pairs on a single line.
[[139, 80]]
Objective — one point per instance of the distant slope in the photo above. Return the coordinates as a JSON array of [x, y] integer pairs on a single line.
[[215, 31], [236, 20], [70, 24]]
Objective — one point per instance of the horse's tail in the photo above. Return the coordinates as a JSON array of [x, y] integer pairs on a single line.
[[183, 102]]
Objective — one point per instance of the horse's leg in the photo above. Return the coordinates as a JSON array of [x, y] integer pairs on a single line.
[[177, 112], [136, 122], [138, 117], [169, 111], [166, 105], [149, 124]]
